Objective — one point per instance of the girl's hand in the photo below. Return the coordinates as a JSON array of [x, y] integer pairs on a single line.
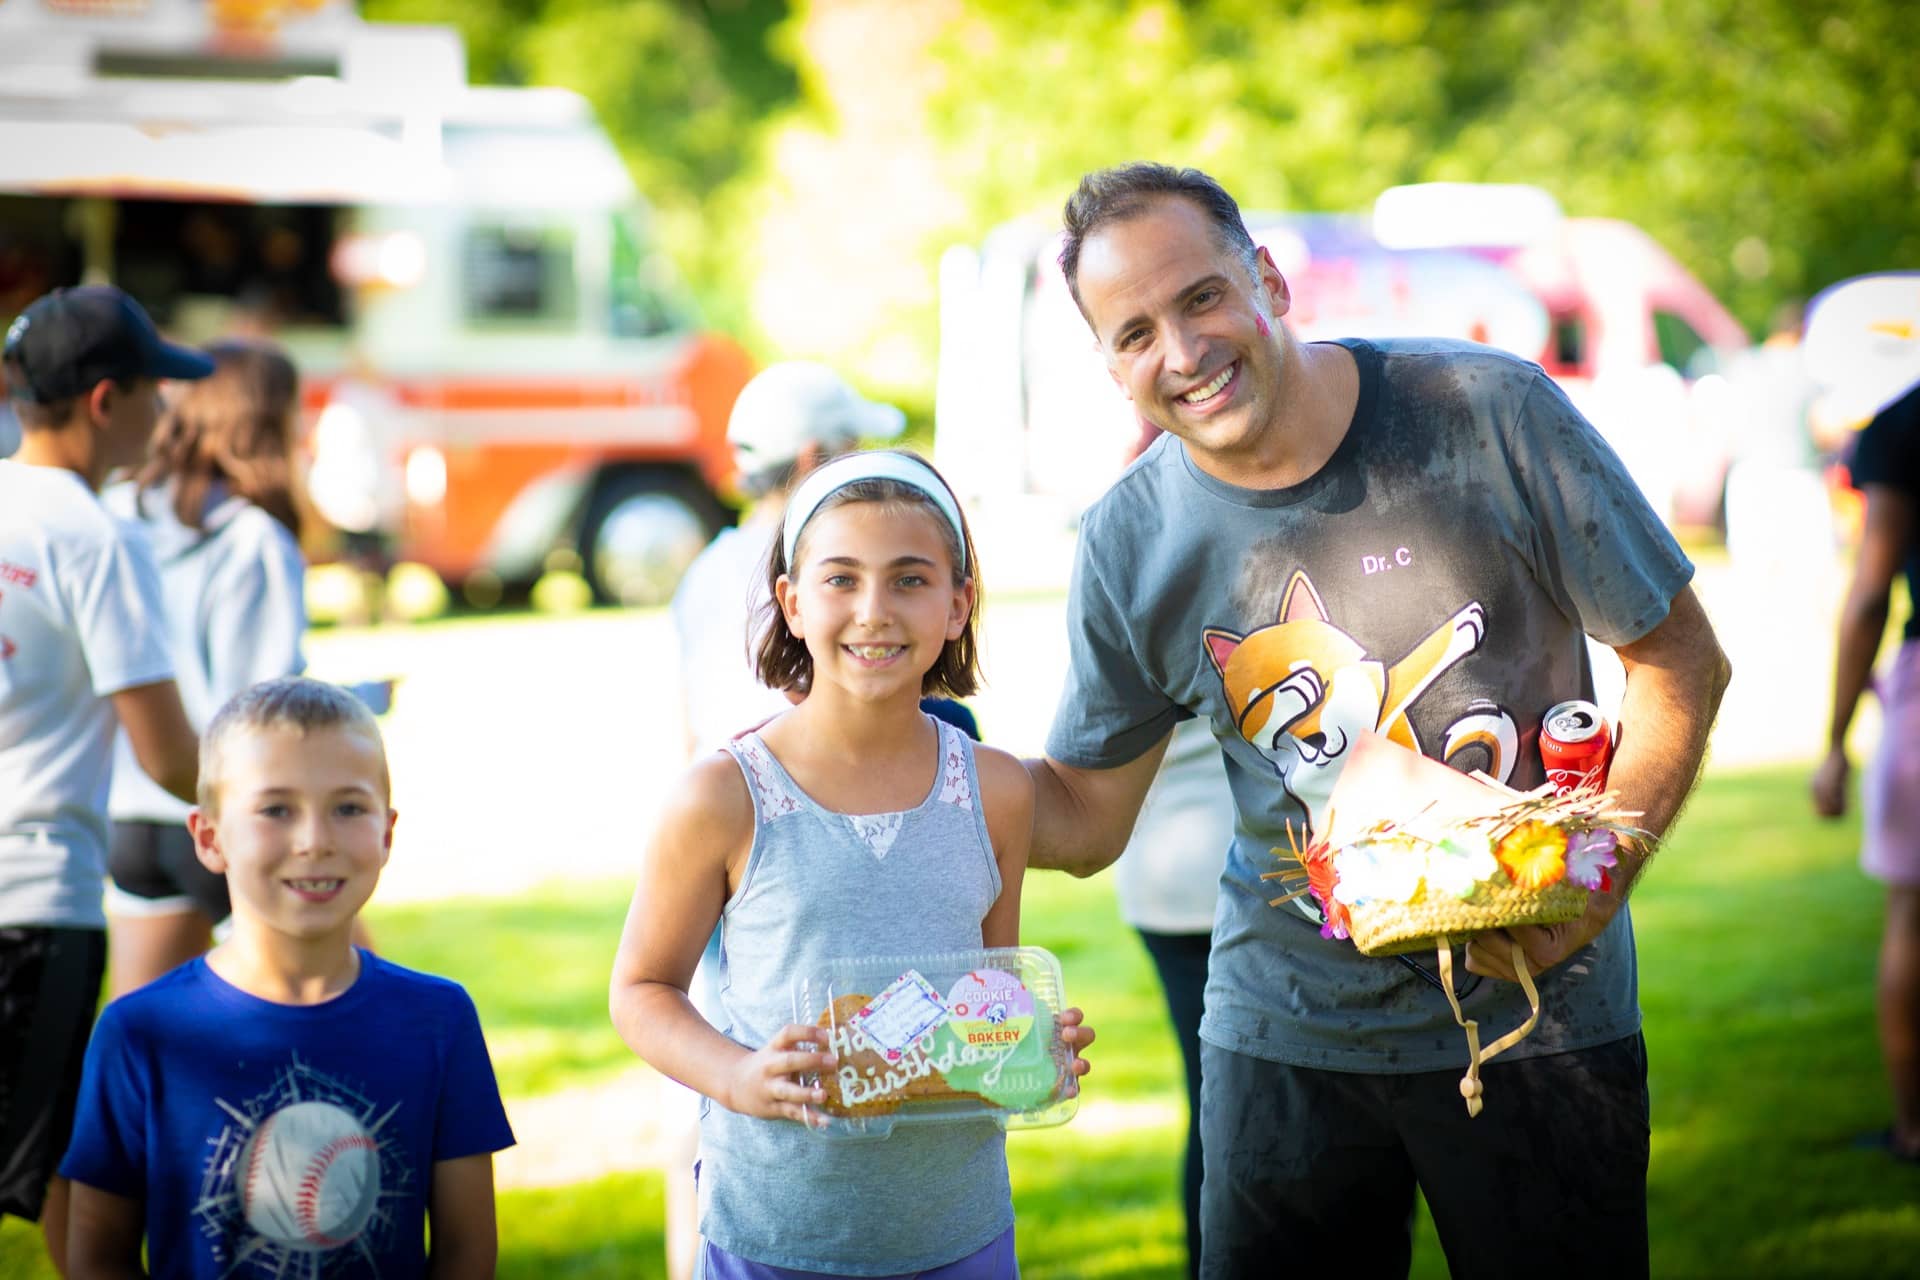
[[766, 1082], [1076, 1035]]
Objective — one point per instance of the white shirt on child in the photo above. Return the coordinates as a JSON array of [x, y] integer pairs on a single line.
[[80, 620]]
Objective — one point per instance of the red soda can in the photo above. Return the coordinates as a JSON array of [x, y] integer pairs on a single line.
[[1575, 746]]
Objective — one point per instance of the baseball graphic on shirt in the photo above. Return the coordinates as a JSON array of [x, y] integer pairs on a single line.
[[309, 1177]]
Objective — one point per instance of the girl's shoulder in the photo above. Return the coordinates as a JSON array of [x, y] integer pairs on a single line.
[[712, 797]]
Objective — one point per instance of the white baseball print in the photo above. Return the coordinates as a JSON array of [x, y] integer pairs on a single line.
[[309, 1177]]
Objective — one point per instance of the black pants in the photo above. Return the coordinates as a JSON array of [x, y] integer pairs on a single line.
[[1181, 960], [49, 987], [1315, 1170]]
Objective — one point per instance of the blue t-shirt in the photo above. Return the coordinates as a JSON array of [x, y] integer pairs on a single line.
[[267, 1139], [1435, 581]]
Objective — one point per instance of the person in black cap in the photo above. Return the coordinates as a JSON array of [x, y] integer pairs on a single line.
[[81, 648]]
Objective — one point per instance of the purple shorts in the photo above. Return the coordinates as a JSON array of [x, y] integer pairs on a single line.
[[994, 1262], [1891, 848]]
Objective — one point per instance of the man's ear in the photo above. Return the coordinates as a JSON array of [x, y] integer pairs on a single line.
[[99, 402], [1275, 284], [203, 827]]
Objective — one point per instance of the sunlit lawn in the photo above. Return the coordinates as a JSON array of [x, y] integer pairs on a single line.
[[1757, 939]]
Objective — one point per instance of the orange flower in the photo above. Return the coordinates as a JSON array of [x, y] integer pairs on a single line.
[[1321, 878], [1534, 855]]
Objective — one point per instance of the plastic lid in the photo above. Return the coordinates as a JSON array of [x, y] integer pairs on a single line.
[[949, 1036]]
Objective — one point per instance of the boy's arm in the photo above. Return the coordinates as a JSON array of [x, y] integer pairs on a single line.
[[464, 1239], [103, 1235], [161, 736], [1006, 797]]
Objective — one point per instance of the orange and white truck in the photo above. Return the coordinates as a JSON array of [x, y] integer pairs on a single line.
[[500, 371]]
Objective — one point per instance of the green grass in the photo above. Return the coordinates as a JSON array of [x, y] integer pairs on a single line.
[[1757, 940]]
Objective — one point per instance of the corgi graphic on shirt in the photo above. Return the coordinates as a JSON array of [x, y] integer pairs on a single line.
[[1301, 689]]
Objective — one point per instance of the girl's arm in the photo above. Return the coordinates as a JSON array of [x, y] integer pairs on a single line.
[[103, 1235], [697, 853], [464, 1241], [1006, 795]]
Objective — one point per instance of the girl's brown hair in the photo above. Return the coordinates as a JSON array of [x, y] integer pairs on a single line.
[[233, 427], [781, 659]]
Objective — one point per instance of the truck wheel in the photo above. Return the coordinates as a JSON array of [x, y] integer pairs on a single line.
[[641, 532]]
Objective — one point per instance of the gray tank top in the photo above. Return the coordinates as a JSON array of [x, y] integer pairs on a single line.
[[821, 886]]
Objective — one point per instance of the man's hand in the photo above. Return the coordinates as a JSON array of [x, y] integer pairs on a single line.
[[1545, 945]]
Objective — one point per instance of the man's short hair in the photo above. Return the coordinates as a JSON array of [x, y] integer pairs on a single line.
[[69, 341], [292, 702], [1129, 190]]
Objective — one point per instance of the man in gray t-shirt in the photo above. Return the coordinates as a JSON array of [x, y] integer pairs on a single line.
[[1413, 538]]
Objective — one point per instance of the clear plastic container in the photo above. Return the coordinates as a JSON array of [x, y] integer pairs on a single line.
[[941, 1037]]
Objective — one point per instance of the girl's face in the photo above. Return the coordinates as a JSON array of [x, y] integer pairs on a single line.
[[871, 595]]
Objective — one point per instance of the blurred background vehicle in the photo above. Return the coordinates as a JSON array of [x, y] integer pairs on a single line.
[[1024, 405], [502, 375]]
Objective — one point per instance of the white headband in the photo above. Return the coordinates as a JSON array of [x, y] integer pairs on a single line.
[[852, 468]]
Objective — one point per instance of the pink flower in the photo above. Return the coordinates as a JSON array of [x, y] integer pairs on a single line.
[[1589, 854]]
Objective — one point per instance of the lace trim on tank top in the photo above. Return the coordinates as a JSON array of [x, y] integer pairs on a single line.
[[776, 796]]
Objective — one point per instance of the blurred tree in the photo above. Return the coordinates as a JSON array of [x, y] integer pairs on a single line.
[[1771, 144]]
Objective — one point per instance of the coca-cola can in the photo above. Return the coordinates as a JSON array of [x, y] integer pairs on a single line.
[[1576, 746]]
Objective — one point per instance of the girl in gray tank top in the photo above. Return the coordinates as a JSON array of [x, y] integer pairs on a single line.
[[852, 826]]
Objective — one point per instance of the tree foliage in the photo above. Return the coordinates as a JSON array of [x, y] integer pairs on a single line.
[[1770, 144]]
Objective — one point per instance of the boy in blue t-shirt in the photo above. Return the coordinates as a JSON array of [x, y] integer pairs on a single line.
[[288, 1104]]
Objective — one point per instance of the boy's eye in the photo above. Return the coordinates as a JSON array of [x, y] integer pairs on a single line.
[[350, 809], [274, 810]]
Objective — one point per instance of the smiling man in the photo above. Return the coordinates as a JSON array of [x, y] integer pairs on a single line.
[[1407, 537]]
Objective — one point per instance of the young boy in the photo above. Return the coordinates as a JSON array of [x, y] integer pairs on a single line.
[[288, 1104], [81, 647]]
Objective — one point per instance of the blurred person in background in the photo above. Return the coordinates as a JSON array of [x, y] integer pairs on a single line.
[[1168, 882], [215, 499], [1777, 513], [1886, 466], [82, 647]]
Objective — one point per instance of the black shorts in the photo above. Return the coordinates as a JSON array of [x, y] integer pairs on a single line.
[[49, 990], [156, 861], [1319, 1167]]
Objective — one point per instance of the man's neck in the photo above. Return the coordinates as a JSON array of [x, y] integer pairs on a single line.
[[284, 970], [64, 449]]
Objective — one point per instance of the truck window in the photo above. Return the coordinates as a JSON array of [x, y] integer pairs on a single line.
[[518, 275], [1678, 341], [1569, 345], [638, 299]]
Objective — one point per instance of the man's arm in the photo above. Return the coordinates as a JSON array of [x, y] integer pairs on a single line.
[[162, 738], [1082, 817], [464, 1240], [1863, 621], [1676, 676], [103, 1235]]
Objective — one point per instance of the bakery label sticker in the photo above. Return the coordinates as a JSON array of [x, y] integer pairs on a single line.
[[991, 1010], [900, 1015]]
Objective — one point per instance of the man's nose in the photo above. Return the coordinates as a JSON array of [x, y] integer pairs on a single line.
[[1184, 349]]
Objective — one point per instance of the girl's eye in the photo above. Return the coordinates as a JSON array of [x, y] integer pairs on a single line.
[[351, 809], [839, 580], [274, 811], [913, 580]]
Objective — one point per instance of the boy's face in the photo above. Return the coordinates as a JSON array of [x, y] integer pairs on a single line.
[[302, 828]]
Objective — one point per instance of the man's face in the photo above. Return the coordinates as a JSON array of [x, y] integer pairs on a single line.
[[1186, 328]]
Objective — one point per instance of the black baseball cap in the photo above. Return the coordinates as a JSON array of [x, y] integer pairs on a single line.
[[65, 344]]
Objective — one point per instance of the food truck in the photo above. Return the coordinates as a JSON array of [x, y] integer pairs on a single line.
[[1024, 404], [499, 370]]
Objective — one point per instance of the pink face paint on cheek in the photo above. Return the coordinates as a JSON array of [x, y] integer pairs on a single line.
[[1260, 323]]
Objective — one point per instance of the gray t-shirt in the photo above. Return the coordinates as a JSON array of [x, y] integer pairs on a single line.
[[1434, 582]]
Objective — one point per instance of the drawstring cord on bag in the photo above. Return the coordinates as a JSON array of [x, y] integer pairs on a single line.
[[1470, 1087]]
